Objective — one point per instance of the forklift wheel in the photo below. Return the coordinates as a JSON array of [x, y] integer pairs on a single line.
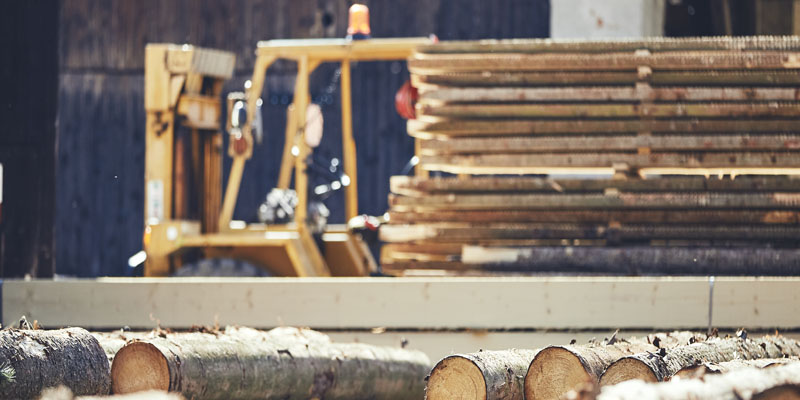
[[221, 267]]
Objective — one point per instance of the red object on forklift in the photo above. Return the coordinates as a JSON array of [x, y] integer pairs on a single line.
[[405, 100]]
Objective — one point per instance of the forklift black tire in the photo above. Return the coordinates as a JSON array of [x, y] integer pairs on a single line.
[[221, 267]]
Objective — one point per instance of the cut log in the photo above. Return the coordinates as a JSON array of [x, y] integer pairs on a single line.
[[651, 367], [486, 375], [751, 383], [558, 369], [111, 342], [37, 359], [700, 370], [285, 363]]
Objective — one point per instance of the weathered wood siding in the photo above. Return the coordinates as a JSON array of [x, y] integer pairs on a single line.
[[28, 90], [101, 114]]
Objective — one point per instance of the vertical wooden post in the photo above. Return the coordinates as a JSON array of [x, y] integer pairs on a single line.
[[301, 101], [349, 145], [287, 160]]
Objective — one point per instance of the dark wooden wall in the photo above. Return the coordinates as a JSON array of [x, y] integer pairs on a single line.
[[101, 115], [28, 90]]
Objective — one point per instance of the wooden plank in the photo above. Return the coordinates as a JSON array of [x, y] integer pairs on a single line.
[[605, 94], [600, 46], [611, 61], [753, 303], [364, 303], [518, 164], [568, 144], [434, 80], [657, 110], [753, 217], [413, 186], [621, 201], [430, 127], [456, 232]]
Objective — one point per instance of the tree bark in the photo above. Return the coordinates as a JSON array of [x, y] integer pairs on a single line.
[[750, 383], [33, 360], [651, 367], [486, 375], [558, 369], [700, 370], [285, 363]]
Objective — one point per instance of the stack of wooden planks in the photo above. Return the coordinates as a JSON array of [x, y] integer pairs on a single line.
[[696, 366], [681, 225], [539, 106], [643, 116]]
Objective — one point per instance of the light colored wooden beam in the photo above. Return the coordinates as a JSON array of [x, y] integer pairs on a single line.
[[594, 303]]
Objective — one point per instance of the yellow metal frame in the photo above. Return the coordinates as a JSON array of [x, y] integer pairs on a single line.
[[288, 250]]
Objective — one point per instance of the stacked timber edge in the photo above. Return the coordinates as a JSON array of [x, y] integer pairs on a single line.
[[284, 363], [677, 156], [669, 225]]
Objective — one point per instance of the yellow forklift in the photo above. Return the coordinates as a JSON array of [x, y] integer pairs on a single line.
[[187, 218]]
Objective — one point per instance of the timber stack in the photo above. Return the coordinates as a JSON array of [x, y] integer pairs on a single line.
[[696, 143]]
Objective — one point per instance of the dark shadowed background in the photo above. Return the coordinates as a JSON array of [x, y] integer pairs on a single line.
[[100, 164]]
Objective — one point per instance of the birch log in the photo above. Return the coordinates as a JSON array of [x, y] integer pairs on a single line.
[[485, 375], [779, 382], [32, 360], [285, 363], [651, 367]]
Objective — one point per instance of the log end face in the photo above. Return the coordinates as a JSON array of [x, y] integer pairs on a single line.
[[554, 372], [626, 369], [456, 378], [137, 367]]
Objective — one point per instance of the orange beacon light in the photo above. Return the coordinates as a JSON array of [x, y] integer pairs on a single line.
[[358, 26]]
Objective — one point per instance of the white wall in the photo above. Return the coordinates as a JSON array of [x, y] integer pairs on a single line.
[[606, 18]]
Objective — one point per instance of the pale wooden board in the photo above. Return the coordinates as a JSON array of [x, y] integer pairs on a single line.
[[407, 303], [752, 217], [610, 110], [436, 80], [365, 303], [666, 200], [729, 162], [429, 127], [611, 143], [654, 44], [416, 187], [459, 232], [611, 61], [604, 94]]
